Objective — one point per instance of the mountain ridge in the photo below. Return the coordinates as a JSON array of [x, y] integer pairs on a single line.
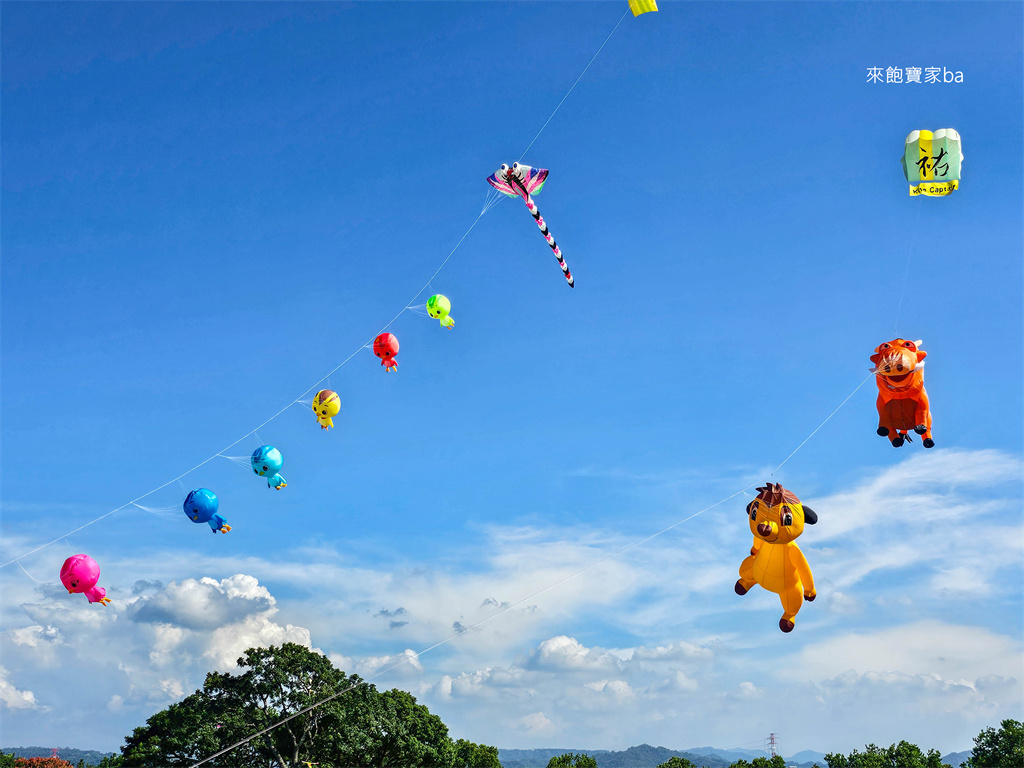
[[647, 756]]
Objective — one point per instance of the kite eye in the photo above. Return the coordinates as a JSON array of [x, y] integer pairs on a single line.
[[908, 344], [885, 346], [752, 510], [504, 169]]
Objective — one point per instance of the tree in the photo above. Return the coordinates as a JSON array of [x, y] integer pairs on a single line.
[[677, 762], [470, 755], [572, 760], [994, 749], [359, 726], [761, 762], [902, 755], [407, 735], [6, 761]]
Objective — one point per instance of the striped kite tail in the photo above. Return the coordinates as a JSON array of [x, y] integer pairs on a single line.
[[551, 241]]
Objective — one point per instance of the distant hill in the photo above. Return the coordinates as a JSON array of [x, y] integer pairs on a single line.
[[70, 754], [955, 758], [537, 758], [728, 754], [808, 756], [643, 756], [646, 756]]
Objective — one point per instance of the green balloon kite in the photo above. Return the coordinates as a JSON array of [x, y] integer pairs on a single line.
[[438, 308]]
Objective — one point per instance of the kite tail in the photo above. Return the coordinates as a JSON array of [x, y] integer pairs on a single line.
[[551, 241]]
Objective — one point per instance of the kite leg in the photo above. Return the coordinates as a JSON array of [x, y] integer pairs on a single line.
[[551, 241]]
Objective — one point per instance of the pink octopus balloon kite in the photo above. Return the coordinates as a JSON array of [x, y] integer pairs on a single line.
[[79, 576]]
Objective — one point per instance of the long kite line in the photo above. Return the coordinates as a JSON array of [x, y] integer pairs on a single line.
[[505, 609], [489, 203], [260, 426]]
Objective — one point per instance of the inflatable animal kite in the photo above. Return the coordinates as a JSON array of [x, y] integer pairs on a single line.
[[931, 162], [79, 575], [524, 181], [385, 347], [267, 462], [776, 563], [902, 402], [326, 405], [438, 308], [201, 507]]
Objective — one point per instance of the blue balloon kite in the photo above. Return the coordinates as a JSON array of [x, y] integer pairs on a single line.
[[267, 462], [201, 507]]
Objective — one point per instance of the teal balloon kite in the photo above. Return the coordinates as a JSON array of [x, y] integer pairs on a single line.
[[267, 462], [201, 507]]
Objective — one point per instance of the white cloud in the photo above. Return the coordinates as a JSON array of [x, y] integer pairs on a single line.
[[153, 647], [537, 724], [566, 653], [948, 652], [898, 559], [13, 698], [36, 636], [203, 604]]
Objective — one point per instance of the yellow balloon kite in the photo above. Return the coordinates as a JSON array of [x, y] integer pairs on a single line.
[[326, 405]]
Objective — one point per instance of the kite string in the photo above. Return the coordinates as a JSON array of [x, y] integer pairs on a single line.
[[869, 376], [260, 426], [407, 658], [906, 272], [486, 207], [37, 581], [574, 84]]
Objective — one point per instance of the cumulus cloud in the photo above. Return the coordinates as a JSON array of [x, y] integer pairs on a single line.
[[204, 604], [36, 636], [13, 698], [898, 573], [942, 651], [152, 647], [537, 724], [405, 663]]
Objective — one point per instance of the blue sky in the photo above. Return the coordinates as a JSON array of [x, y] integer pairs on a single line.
[[206, 207]]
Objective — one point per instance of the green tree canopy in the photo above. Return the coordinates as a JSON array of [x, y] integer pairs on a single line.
[[470, 755], [677, 762], [359, 727], [994, 749], [761, 762], [572, 760], [902, 755]]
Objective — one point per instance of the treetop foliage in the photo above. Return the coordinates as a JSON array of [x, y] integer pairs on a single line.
[[359, 726]]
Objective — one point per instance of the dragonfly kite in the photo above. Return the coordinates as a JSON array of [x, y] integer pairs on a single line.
[[524, 181]]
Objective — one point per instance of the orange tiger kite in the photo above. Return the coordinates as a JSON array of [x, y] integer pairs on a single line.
[[902, 402]]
